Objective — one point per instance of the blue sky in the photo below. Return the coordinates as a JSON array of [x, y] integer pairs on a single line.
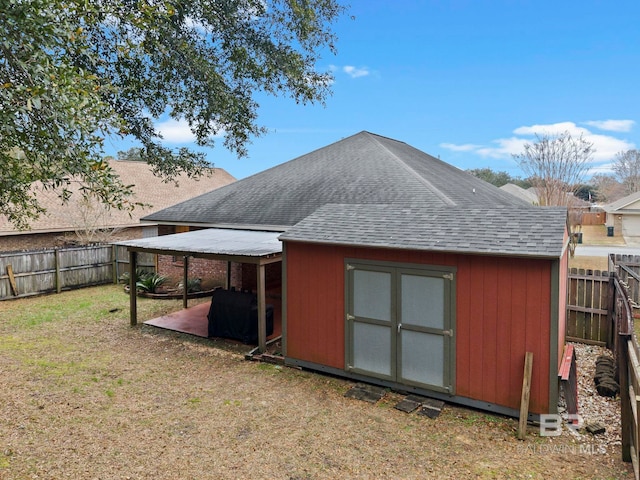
[[469, 81]]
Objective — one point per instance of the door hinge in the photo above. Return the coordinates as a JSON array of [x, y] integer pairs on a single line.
[[350, 267], [448, 332], [350, 317], [448, 276]]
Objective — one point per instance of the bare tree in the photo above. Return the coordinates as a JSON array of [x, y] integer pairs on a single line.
[[556, 165], [91, 219], [609, 189], [627, 169]]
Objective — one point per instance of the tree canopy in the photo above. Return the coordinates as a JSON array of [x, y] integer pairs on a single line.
[[73, 73], [498, 178]]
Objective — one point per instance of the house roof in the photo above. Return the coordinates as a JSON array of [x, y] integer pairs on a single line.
[[528, 195], [515, 231], [621, 203], [148, 189], [362, 169]]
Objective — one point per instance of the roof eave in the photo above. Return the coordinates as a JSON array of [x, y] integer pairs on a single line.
[[428, 249]]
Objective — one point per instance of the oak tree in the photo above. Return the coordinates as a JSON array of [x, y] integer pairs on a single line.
[[74, 73]]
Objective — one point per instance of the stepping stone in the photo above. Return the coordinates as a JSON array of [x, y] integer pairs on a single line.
[[368, 393], [431, 408], [407, 406]]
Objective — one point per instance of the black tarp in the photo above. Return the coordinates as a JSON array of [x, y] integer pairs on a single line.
[[234, 314]]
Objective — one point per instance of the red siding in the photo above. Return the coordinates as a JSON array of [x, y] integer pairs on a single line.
[[503, 310]]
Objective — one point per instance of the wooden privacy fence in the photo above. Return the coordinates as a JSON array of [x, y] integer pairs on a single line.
[[628, 271], [44, 271], [626, 352], [588, 306], [593, 218]]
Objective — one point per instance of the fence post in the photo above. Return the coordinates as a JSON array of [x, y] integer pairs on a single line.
[[133, 297], [57, 263], [610, 311], [625, 400], [114, 257]]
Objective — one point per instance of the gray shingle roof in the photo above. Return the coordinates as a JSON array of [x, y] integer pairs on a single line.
[[622, 202], [362, 169], [515, 231]]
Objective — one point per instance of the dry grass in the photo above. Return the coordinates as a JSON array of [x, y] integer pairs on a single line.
[[589, 263], [86, 396]]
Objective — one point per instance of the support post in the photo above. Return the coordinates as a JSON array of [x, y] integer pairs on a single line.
[[133, 297], [526, 391], [228, 275], [185, 276], [262, 310]]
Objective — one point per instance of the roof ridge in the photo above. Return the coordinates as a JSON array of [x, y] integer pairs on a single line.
[[416, 175]]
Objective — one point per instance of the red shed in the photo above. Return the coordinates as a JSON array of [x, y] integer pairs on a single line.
[[443, 303], [403, 270]]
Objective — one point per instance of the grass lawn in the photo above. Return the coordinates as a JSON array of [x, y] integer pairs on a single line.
[[85, 396]]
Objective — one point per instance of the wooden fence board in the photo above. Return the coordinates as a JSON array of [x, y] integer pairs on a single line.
[[45, 271], [587, 306]]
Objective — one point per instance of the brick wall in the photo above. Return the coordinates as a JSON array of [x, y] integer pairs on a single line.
[[273, 276], [212, 272]]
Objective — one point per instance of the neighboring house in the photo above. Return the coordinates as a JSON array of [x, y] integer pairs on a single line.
[[397, 269], [80, 221], [528, 195], [624, 216]]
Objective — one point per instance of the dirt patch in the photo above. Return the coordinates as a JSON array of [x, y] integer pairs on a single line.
[[86, 396]]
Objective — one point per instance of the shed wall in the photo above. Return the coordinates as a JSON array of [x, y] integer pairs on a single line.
[[503, 310]]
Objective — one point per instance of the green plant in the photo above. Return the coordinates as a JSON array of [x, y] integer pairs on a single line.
[[193, 285], [151, 283], [140, 275]]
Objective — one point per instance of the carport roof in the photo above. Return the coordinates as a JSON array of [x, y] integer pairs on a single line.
[[213, 243]]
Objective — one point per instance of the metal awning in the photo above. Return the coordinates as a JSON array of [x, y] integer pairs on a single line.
[[244, 246], [241, 246]]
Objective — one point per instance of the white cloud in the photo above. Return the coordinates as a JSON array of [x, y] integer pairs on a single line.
[[175, 131], [467, 147], [606, 146], [506, 147], [612, 125], [355, 72], [605, 169], [551, 129]]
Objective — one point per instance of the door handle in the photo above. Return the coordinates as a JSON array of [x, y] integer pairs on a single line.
[[399, 327]]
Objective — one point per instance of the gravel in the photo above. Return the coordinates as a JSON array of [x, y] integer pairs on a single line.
[[592, 407]]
